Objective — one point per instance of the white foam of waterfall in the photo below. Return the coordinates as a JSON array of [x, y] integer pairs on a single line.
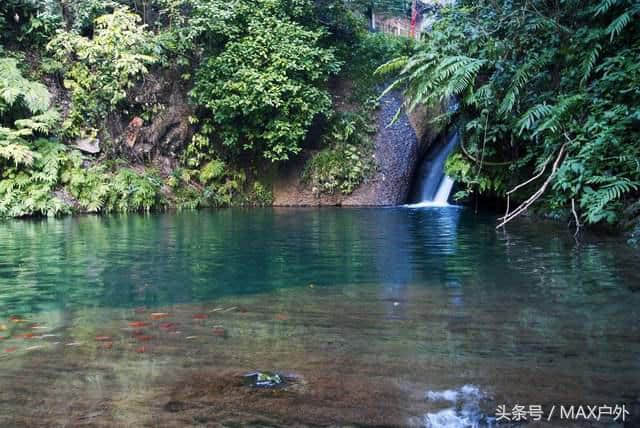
[[442, 195], [434, 186], [444, 191]]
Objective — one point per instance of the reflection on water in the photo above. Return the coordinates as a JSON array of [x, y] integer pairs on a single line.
[[143, 320], [137, 260]]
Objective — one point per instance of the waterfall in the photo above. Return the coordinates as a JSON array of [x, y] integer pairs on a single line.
[[442, 196], [433, 187]]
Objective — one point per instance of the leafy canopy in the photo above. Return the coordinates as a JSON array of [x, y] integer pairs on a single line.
[[533, 78], [267, 84]]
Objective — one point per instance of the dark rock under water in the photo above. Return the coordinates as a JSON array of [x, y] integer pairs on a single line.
[[264, 380]]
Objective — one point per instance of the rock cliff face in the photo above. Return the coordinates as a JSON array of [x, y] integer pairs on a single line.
[[162, 139], [398, 149]]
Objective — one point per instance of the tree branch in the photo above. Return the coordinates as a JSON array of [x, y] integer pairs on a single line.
[[526, 204]]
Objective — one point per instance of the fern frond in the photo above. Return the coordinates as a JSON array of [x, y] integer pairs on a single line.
[[42, 123], [604, 6], [532, 116], [19, 154], [618, 24], [589, 62], [391, 87], [393, 66], [14, 88], [558, 114]]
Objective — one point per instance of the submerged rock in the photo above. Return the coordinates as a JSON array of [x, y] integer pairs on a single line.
[[174, 406], [264, 380]]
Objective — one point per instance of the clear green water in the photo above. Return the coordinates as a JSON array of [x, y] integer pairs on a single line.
[[370, 312]]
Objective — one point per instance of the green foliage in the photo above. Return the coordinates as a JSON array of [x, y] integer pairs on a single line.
[[56, 183], [31, 191], [39, 176], [221, 183], [212, 171], [29, 22], [98, 190], [98, 71], [260, 195], [366, 53], [29, 165], [17, 91], [531, 79], [265, 87], [216, 184], [184, 194], [348, 160], [84, 12], [259, 73], [458, 166], [20, 97]]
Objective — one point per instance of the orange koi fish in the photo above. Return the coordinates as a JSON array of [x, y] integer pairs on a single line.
[[138, 324], [159, 315]]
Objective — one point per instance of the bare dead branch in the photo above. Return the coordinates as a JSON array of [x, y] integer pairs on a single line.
[[526, 204], [575, 215]]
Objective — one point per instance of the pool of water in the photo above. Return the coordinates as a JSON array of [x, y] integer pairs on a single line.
[[387, 317]]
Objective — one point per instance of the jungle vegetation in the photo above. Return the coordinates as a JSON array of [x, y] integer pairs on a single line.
[[257, 77], [548, 98]]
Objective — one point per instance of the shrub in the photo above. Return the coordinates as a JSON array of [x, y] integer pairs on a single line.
[[98, 71], [260, 195], [348, 160], [29, 164], [97, 189], [266, 86]]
